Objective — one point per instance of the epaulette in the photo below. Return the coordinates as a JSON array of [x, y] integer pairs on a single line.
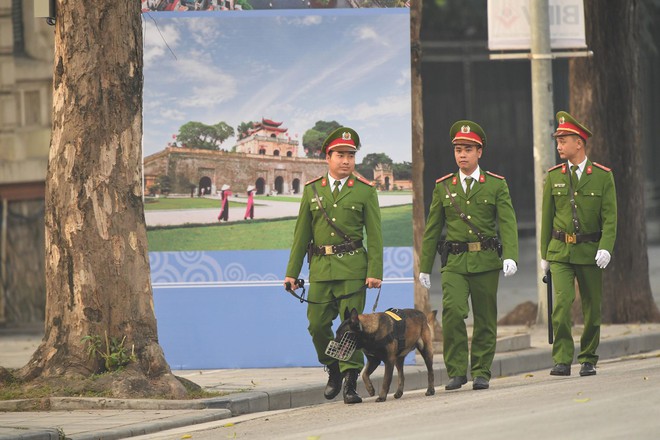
[[444, 178], [555, 167], [495, 175], [602, 167], [313, 180], [363, 180]]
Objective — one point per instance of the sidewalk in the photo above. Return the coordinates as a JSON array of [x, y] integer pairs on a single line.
[[520, 350]]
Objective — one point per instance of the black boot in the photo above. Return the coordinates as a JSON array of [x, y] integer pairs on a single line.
[[334, 381], [350, 387]]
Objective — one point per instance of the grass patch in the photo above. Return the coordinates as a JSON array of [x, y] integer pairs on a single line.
[[264, 234]]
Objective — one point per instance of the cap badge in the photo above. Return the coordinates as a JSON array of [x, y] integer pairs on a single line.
[[562, 120], [465, 129], [346, 136]]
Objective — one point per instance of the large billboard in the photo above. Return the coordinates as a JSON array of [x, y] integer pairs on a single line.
[[235, 102]]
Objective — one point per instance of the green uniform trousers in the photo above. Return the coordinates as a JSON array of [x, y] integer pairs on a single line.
[[482, 290], [320, 316], [590, 281]]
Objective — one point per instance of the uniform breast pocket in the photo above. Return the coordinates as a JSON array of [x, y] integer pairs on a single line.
[[353, 209], [450, 212], [485, 203], [590, 199], [561, 197], [314, 207]]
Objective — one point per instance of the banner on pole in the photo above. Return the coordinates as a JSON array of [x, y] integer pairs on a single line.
[[509, 24]]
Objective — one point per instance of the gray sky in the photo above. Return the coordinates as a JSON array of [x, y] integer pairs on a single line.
[[291, 66]]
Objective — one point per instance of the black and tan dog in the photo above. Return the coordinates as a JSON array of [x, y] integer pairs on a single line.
[[389, 337]]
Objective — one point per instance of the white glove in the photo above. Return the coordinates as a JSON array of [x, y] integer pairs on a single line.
[[602, 258], [425, 280], [545, 265], [509, 267]]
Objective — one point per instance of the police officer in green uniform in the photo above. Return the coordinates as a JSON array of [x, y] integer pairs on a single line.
[[471, 203], [339, 264], [578, 230]]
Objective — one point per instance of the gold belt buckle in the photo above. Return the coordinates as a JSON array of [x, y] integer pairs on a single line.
[[328, 249], [570, 238], [474, 247]]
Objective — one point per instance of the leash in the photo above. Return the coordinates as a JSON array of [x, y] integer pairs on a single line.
[[300, 282]]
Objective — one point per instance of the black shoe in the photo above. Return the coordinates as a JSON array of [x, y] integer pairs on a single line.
[[334, 381], [588, 369], [350, 387], [561, 370], [456, 382], [480, 383]]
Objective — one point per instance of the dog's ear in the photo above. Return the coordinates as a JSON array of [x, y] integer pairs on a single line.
[[347, 314], [354, 315]]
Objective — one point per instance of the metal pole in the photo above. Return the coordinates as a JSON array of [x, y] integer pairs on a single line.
[[543, 124]]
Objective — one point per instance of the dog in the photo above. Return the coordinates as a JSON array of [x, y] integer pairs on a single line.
[[388, 337]]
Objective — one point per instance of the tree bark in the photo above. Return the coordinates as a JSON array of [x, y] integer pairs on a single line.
[[605, 95], [421, 294], [97, 267]]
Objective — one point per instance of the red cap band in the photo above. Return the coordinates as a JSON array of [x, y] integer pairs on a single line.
[[339, 142], [469, 136], [571, 129]]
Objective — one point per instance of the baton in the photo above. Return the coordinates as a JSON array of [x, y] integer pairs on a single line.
[[547, 279]]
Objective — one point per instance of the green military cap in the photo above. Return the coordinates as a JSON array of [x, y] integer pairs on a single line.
[[465, 130], [342, 139], [568, 125]]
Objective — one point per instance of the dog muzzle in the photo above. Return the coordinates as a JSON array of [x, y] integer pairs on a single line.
[[344, 349]]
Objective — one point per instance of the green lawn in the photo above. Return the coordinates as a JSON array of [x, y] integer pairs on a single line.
[[265, 234]]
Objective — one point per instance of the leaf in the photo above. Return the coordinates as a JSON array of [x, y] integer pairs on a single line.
[[529, 375], [581, 400], [227, 425], [313, 437], [186, 436]]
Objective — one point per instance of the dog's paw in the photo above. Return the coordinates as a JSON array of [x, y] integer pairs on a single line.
[[398, 394], [371, 390], [430, 391], [381, 399]]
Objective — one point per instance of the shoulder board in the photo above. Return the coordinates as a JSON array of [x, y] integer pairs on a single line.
[[444, 178], [495, 175], [313, 180], [602, 167], [555, 167], [363, 180]]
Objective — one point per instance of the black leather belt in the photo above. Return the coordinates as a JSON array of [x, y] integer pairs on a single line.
[[458, 247], [331, 249], [575, 238]]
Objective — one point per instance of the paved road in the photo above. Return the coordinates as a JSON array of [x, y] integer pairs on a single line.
[[620, 402], [264, 208]]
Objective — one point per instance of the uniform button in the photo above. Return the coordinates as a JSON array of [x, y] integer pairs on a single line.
[[592, 194], [575, 193], [485, 201], [470, 231], [352, 207], [334, 206], [334, 219], [469, 217], [468, 202], [332, 234]]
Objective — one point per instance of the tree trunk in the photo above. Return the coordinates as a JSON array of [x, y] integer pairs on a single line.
[[421, 294], [605, 95], [97, 268]]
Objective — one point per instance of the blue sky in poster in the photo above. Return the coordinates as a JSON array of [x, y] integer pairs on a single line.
[[298, 67]]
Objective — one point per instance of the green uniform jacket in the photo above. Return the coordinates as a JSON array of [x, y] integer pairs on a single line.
[[595, 198], [489, 204], [355, 210]]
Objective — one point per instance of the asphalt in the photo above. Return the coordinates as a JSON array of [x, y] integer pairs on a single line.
[[521, 350]]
